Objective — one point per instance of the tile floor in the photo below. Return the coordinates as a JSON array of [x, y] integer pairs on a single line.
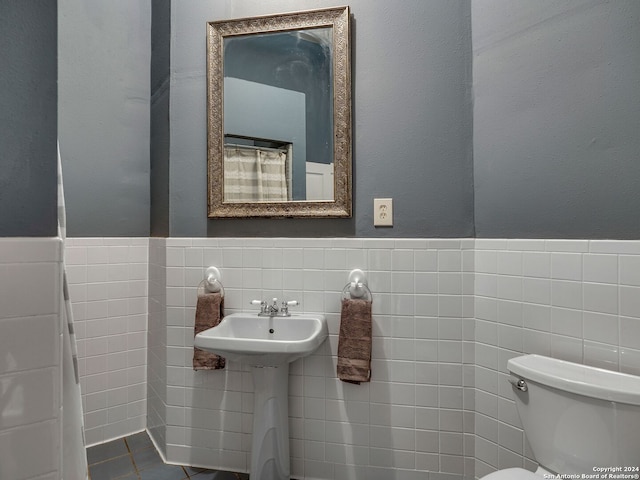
[[135, 458]]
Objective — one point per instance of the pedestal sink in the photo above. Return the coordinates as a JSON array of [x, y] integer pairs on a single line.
[[268, 345]]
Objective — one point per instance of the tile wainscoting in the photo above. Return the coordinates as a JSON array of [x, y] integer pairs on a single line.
[[108, 280], [415, 416], [578, 300], [30, 358], [448, 313]]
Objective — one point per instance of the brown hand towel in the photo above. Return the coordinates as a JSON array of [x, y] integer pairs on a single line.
[[209, 313], [354, 343]]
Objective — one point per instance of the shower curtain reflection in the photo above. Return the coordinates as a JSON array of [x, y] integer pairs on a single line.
[[256, 174]]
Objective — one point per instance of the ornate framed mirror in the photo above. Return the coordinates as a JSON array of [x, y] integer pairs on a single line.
[[279, 115]]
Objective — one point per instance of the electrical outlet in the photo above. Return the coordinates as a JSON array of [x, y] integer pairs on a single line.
[[383, 212]]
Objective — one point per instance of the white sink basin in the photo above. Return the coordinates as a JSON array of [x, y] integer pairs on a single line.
[[271, 342], [264, 341]]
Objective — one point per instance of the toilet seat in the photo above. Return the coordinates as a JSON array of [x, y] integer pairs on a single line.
[[512, 474]]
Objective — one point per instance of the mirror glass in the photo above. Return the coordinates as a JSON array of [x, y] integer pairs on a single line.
[[280, 115]]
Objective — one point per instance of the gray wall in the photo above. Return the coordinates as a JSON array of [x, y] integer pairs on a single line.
[[28, 123], [103, 115], [557, 118], [160, 95], [412, 119], [551, 140]]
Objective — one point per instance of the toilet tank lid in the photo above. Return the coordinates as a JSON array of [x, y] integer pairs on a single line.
[[512, 474], [576, 378]]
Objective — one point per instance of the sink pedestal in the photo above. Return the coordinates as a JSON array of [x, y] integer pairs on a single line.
[[268, 346], [270, 440]]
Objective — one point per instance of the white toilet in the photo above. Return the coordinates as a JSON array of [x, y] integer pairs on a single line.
[[581, 422]]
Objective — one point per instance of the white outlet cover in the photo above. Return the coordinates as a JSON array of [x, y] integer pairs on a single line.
[[382, 212]]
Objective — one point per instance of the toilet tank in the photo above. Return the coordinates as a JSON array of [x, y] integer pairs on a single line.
[[577, 418]]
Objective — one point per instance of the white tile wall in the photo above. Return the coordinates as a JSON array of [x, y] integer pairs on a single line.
[[448, 313], [30, 357], [108, 280], [415, 416], [576, 300], [157, 390]]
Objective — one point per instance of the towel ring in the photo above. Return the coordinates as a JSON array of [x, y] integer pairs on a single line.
[[211, 282], [357, 287]]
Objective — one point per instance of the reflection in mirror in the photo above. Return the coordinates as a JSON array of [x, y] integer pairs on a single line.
[[277, 86], [257, 170], [280, 132]]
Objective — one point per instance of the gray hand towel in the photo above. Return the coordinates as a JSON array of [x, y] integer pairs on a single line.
[[209, 313], [354, 343]]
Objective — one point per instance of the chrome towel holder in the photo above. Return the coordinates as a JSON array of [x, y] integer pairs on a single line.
[[212, 281], [357, 288]]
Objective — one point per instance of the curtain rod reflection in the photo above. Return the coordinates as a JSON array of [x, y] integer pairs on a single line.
[[254, 139], [254, 147]]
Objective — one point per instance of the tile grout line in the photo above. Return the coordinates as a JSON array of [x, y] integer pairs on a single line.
[[133, 460]]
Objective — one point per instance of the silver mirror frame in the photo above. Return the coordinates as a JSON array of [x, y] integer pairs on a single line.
[[338, 18]]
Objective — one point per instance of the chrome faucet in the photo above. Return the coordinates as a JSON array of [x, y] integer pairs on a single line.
[[272, 310]]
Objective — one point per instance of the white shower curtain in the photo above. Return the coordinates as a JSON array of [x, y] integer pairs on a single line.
[[254, 174], [74, 457]]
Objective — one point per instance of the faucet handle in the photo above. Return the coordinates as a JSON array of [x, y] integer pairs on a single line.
[[262, 303], [284, 310]]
